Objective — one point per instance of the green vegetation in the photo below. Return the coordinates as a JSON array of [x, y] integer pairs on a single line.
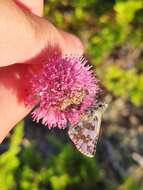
[[35, 158]]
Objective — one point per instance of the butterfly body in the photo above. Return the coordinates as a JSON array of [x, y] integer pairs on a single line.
[[86, 133]]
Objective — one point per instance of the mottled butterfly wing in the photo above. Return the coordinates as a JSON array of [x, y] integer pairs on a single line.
[[85, 134]]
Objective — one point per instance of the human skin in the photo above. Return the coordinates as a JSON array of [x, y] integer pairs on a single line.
[[23, 35]]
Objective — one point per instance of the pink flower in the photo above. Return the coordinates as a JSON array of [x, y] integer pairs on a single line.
[[63, 86]]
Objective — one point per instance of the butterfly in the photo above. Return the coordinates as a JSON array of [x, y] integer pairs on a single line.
[[86, 133]]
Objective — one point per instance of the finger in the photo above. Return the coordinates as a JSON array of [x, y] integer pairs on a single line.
[[48, 34], [71, 44], [35, 6], [28, 35], [71, 41]]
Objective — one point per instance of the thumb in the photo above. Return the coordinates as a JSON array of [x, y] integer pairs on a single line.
[[50, 35], [70, 41]]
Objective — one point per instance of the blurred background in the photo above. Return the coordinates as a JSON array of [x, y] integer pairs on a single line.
[[36, 158]]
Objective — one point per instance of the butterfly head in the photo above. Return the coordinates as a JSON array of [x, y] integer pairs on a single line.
[[97, 109], [101, 107]]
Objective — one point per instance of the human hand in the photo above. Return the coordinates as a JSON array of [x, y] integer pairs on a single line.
[[23, 35]]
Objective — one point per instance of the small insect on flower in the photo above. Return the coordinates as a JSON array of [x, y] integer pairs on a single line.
[[86, 133], [64, 87]]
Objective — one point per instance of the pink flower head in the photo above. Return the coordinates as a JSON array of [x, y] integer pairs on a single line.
[[63, 86]]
